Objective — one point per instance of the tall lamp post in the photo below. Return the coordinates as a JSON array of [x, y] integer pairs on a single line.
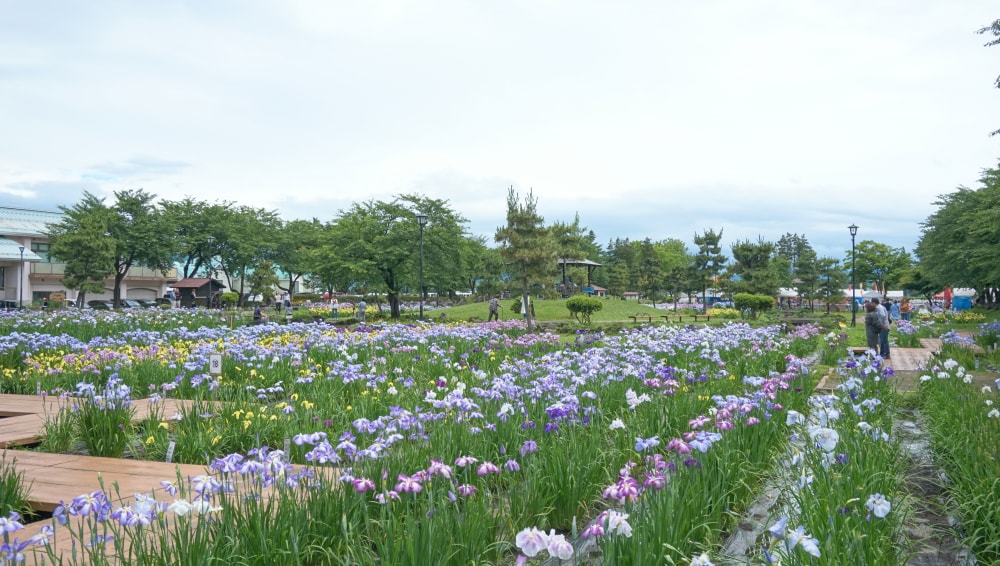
[[20, 282], [422, 221], [854, 301], [208, 298]]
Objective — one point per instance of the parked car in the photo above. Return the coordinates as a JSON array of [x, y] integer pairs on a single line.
[[98, 304], [131, 304]]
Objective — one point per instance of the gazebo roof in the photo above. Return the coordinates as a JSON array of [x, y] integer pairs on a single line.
[[587, 262], [194, 283]]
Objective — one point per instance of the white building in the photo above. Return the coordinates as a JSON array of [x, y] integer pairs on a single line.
[[28, 274]]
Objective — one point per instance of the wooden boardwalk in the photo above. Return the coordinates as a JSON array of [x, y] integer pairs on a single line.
[[53, 479], [23, 421]]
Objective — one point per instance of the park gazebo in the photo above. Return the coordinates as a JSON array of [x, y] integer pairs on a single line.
[[195, 287], [590, 265]]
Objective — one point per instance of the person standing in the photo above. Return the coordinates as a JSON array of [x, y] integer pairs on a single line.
[[494, 305], [258, 316], [362, 306], [883, 339], [873, 327], [895, 310], [905, 309], [335, 309]]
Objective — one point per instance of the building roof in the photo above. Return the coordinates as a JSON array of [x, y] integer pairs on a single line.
[[11, 251], [24, 222], [194, 283]]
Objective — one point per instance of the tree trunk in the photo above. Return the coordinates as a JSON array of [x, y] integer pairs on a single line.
[[526, 302]]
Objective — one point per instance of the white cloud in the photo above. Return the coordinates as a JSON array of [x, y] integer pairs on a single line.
[[649, 119]]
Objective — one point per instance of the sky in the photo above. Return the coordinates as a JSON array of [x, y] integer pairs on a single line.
[[656, 119]]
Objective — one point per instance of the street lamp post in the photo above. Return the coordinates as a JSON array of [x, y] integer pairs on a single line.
[[20, 282], [422, 221], [854, 301], [208, 298]]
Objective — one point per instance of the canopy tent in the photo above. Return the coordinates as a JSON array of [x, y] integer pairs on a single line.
[[786, 292]]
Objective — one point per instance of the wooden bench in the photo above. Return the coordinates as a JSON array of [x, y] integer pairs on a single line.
[[647, 317], [675, 317], [698, 317]]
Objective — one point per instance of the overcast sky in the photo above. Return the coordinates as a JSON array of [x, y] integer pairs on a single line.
[[650, 119]]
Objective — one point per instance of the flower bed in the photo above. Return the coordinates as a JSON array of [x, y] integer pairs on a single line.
[[448, 444]]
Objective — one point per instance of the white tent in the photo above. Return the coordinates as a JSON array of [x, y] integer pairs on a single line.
[[871, 294], [786, 292]]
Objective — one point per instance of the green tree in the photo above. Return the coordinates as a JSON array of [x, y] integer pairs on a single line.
[[651, 275], [575, 242], [527, 245], [296, 249], [959, 240], [831, 281], [262, 281], [675, 265], [246, 239], [376, 245], [879, 263], [994, 30], [796, 255], [622, 263], [708, 260], [193, 222], [915, 282], [752, 263], [81, 241], [141, 234]]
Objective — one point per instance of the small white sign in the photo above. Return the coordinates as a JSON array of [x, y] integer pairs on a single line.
[[288, 447], [170, 451], [38, 388], [215, 364]]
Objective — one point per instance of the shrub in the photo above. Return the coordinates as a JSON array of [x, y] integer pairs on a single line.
[[229, 298], [582, 306], [754, 304]]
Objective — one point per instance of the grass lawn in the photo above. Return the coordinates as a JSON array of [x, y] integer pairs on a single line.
[[554, 310]]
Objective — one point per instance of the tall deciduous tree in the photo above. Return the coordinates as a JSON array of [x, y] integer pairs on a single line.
[[708, 260], [377, 244], [527, 245], [142, 236], [994, 30], [296, 247], [81, 241], [960, 240], [879, 263]]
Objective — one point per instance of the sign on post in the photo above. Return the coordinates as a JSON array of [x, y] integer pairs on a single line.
[[215, 364]]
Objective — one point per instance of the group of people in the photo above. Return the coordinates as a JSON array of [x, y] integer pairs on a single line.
[[878, 318]]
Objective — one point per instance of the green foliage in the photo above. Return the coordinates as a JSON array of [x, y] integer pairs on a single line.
[[13, 491], [752, 263], [832, 279], [80, 240], [756, 304], [526, 244], [376, 245], [959, 241], [879, 263], [142, 236], [229, 298], [708, 261], [581, 307]]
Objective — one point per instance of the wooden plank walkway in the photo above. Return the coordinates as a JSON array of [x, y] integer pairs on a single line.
[[27, 425], [56, 478]]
